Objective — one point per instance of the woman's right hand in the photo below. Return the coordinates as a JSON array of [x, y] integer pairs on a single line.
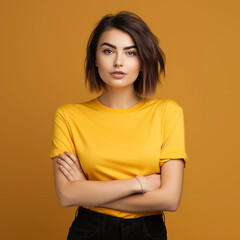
[[150, 182]]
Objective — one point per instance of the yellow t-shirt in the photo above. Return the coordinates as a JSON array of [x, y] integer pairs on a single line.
[[113, 143]]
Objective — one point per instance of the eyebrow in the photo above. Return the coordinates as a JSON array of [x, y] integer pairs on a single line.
[[112, 46]]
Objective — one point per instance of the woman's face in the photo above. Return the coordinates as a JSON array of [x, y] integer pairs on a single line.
[[116, 51]]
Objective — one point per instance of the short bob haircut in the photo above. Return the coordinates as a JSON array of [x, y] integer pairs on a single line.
[[151, 56]]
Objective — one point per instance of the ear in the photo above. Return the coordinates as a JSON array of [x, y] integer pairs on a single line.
[[96, 62]]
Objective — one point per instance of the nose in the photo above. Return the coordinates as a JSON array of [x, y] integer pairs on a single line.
[[118, 60]]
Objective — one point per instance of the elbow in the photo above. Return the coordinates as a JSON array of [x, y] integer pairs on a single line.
[[172, 201], [64, 201], [173, 206]]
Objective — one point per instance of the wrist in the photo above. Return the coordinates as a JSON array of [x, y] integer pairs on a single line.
[[140, 186]]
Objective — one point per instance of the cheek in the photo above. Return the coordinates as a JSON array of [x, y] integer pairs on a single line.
[[103, 67], [135, 66], [103, 63]]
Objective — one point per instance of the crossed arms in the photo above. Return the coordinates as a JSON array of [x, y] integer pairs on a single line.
[[73, 189]]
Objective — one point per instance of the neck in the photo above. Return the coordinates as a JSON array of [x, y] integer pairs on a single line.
[[118, 99]]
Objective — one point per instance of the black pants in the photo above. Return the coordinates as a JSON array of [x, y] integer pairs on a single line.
[[93, 225]]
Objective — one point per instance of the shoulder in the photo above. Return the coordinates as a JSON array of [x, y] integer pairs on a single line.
[[65, 110], [73, 109], [169, 108], [66, 107], [167, 104], [172, 105], [173, 111]]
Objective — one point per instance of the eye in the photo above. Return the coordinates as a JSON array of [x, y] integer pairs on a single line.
[[107, 51], [131, 53]]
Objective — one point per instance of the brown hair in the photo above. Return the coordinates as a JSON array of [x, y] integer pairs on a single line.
[[151, 56]]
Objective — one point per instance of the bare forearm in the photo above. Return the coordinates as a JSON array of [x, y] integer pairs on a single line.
[[157, 200], [165, 198], [95, 193]]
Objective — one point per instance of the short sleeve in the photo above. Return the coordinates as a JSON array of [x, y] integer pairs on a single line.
[[173, 146], [62, 139]]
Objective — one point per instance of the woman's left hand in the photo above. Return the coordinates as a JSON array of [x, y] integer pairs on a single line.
[[70, 167]]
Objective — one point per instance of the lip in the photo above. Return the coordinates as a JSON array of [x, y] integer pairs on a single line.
[[118, 74]]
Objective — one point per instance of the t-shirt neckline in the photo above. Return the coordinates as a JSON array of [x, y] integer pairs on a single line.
[[119, 110]]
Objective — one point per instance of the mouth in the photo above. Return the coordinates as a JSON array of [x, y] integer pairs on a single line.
[[118, 73]]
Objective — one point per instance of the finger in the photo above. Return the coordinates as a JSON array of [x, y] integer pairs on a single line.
[[66, 173], [73, 176], [67, 159], [72, 161], [68, 165], [73, 158]]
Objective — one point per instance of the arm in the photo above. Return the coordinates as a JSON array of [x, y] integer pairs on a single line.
[[166, 198], [91, 193]]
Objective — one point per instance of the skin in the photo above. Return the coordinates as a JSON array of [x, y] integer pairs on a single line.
[[119, 93], [164, 197], [162, 192]]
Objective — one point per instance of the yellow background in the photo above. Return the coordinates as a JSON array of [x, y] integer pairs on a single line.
[[42, 48]]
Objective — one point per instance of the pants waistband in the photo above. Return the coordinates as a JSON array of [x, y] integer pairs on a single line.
[[100, 216]]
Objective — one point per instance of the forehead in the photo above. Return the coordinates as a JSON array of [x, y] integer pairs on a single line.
[[116, 37]]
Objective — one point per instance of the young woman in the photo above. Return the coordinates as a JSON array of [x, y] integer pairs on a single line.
[[108, 152]]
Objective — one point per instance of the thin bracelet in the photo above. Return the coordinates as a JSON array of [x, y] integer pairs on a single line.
[[140, 183]]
